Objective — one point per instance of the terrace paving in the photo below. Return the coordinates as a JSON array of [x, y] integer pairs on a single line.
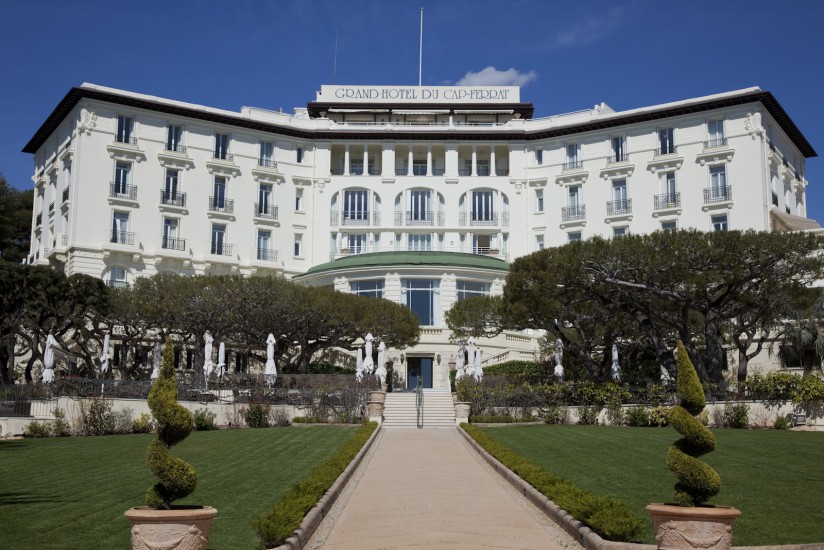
[[429, 489]]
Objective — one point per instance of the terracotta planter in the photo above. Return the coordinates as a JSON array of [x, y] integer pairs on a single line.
[[462, 411], [699, 527], [378, 396], [179, 528]]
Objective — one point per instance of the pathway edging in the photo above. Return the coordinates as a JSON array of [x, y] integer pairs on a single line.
[[310, 522], [580, 532]]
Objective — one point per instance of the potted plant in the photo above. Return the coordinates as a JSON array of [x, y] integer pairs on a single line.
[[159, 524], [690, 522]]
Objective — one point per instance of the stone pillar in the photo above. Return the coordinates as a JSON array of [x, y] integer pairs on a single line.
[[409, 166], [388, 159], [365, 160], [428, 160], [346, 160], [451, 159], [474, 160], [492, 171]]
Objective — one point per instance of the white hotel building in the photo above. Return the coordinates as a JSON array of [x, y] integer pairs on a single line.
[[417, 194]]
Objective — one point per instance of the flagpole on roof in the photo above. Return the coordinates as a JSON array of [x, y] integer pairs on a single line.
[[420, 52]]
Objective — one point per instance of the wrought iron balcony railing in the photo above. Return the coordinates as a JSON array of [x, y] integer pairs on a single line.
[[717, 194], [575, 212], [718, 142], [173, 243], [172, 198], [221, 249], [267, 163], [670, 150], [616, 208], [122, 191], [121, 237], [573, 164], [267, 255], [266, 210], [618, 157], [219, 204], [176, 147], [667, 200]]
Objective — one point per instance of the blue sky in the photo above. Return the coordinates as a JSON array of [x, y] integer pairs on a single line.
[[566, 55]]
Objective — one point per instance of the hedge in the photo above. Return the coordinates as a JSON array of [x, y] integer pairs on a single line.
[[609, 517], [280, 521]]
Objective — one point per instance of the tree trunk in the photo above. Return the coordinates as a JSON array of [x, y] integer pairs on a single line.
[[715, 350], [665, 356], [6, 372], [35, 353]]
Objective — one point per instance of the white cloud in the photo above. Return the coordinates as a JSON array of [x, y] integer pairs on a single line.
[[491, 76], [589, 29]]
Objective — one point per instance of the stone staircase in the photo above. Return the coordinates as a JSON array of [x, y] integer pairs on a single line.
[[400, 411]]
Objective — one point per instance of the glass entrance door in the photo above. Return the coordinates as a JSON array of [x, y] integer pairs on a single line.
[[418, 367]]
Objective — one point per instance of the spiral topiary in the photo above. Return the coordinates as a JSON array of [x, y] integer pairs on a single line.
[[697, 481], [174, 423]]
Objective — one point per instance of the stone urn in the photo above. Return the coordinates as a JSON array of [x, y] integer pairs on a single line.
[[692, 527], [454, 397], [181, 528], [462, 411], [378, 396], [375, 410]]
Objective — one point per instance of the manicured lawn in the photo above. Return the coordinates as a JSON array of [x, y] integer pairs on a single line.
[[72, 492], [774, 477]]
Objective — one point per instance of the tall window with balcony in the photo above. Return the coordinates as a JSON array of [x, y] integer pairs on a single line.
[[125, 129], [620, 203], [575, 207], [483, 212], [468, 289], [121, 186], [120, 229], [666, 141], [267, 154], [419, 167], [219, 202], [372, 288], [356, 207], [222, 147], [171, 191], [419, 211], [669, 197], [174, 139], [219, 245], [264, 246], [619, 149], [483, 167], [356, 243], [715, 133], [264, 207], [422, 296], [170, 235], [718, 190], [417, 243], [572, 160], [117, 277]]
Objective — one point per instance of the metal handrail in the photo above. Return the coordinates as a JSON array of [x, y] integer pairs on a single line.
[[419, 402]]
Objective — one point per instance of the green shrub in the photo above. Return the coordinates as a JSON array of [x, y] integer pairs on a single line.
[[279, 417], [611, 518], [521, 371], [60, 426], [142, 424], [659, 416], [588, 415], [810, 389], [304, 420], [256, 416], [498, 419], [328, 368], [37, 429], [280, 521], [736, 415], [615, 413], [204, 420], [555, 414], [697, 481], [176, 478], [96, 416], [122, 421], [638, 417], [781, 423]]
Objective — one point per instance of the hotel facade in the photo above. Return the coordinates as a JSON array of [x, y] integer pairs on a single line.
[[421, 195]]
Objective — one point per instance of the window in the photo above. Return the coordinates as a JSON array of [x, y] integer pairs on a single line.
[[574, 236], [618, 149], [718, 190], [715, 133], [241, 362], [219, 240], [122, 178], [356, 206], [719, 223], [419, 167], [620, 231], [423, 298], [420, 208], [219, 194], [264, 246], [222, 146], [482, 166], [298, 248], [539, 156], [419, 242], [669, 226], [266, 157], [468, 289], [298, 199], [539, 200], [572, 156], [574, 196], [120, 228], [370, 289], [300, 155], [117, 277], [170, 239], [539, 242], [356, 167], [264, 207], [174, 136], [482, 210], [125, 128], [357, 243], [620, 204], [170, 195], [666, 141]]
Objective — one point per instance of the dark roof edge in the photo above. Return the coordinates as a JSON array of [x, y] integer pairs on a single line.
[[76, 94], [525, 109]]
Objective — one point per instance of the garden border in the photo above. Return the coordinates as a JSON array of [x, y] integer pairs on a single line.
[[314, 517], [577, 530]]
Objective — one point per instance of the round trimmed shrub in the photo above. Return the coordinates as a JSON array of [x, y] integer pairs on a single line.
[[176, 478], [697, 481]]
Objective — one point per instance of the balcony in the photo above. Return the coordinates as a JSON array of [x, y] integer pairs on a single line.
[[573, 213], [665, 159], [267, 255], [221, 208], [121, 193], [223, 155], [438, 171], [573, 165], [267, 163], [619, 208], [111, 283], [122, 237], [719, 142], [223, 164], [663, 151], [667, 203], [618, 166], [717, 197], [266, 211], [174, 156], [485, 219], [221, 249], [125, 148], [175, 148], [481, 250], [464, 171], [173, 243], [169, 198], [502, 171], [418, 218], [266, 172], [615, 158], [127, 139]]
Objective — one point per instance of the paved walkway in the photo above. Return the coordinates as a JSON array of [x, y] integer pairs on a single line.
[[429, 489]]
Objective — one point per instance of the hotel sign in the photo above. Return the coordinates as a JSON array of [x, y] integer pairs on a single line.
[[419, 94]]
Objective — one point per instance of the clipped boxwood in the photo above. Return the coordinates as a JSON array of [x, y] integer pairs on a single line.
[[523, 371], [610, 517], [281, 520]]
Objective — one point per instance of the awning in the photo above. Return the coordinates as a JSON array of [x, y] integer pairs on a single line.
[[414, 112], [789, 222]]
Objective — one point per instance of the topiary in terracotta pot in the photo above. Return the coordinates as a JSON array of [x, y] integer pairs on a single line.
[[159, 524], [688, 524]]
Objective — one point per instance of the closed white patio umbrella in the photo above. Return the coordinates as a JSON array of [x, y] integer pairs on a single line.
[[207, 356], [48, 359], [221, 360], [270, 371]]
